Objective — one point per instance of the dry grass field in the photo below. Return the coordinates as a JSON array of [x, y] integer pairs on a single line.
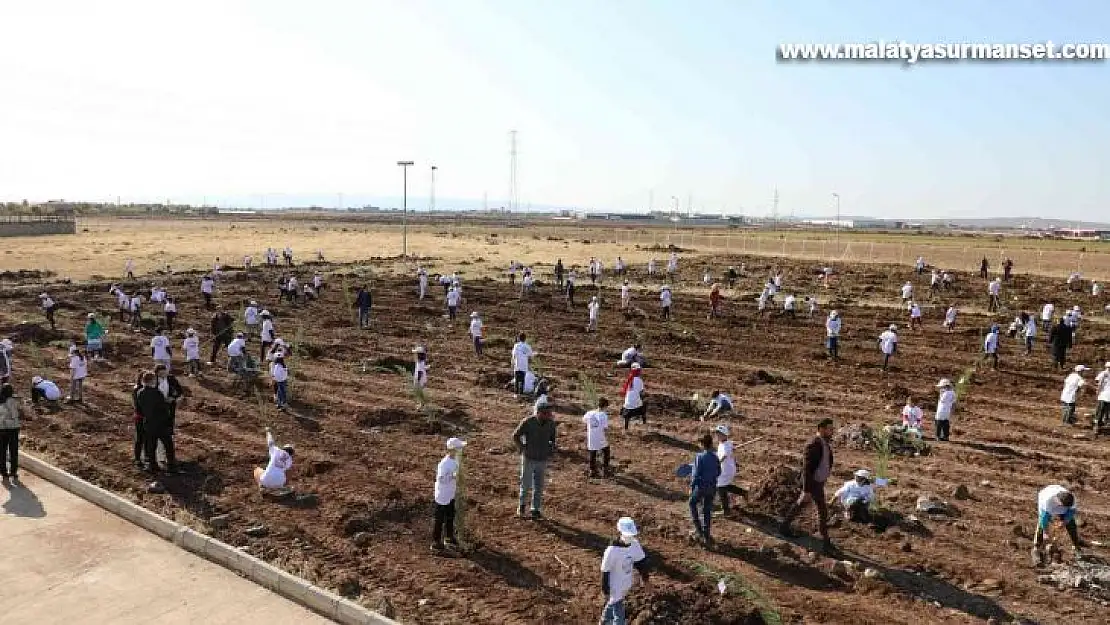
[[102, 245]]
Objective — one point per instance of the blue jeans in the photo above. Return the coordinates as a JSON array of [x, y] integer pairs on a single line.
[[279, 392], [702, 498], [532, 475], [613, 614]]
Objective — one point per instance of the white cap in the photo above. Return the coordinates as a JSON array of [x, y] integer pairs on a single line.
[[864, 473], [36, 380], [833, 314], [419, 349], [42, 295], [1080, 368], [722, 429], [91, 315], [636, 365], [279, 341], [265, 313], [944, 382], [474, 314], [6, 343], [238, 335], [455, 443], [190, 332], [893, 327], [254, 303], [627, 527], [541, 404], [1108, 365]]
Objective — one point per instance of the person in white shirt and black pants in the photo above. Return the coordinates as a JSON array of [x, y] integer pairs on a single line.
[[633, 392], [597, 421], [447, 478]]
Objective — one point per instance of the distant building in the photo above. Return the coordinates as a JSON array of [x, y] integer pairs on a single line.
[[1081, 234]]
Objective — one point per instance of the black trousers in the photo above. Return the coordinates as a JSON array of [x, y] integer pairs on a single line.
[[444, 523], [50, 317], [604, 460], [942, 426], [140, 440], [723, 493], [217, 343], [207, 300], [815, 492], [161, 433], [1102, 413], [9, 452], [629, 414], [518, 382], [170, 316]]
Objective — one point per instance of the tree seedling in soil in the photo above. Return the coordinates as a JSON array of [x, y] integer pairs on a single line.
[[737, 585]]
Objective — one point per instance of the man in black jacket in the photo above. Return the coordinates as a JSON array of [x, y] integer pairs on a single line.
[[171, 390], [363, 302], [155, 413], [222, 332], [816, 470], [1060, 339]]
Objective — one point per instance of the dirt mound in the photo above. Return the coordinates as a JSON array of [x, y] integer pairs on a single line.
[[382, 417], [494, 379], [855, 436], [700, 604], [776, 490], [760, 376], [896, 392], [669, 404], [31, 333]]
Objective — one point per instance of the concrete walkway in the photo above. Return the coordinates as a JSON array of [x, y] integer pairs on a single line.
[[64, 560]]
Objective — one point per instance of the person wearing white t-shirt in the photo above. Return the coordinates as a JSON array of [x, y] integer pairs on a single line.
[[129, 269], [453, 297], [990, 346], [237, 353], [1046, 316], [919, 266], [160, 349], [522, 352], [169, 309], [946, 403], [446, 487], [530, 381], [136, 312], [888, 344], [1102, 384], [950, 318], [476, 332], [1030, 333], [719, 403], [907, 292], [832, 334], [631, 355], [42, 389], [317, 282], [267, 336], [626, 295], [420, 367], [994, 290], [247, 261], [78, 371], [594, 309], [622, 558], [250, 317], [280, 376], [1055, 504], [1069, 396], [597, 422], [274, 477], [651, 267], [725, 487], [191, 347], [633, 391], [207, 288], [855, 497], [912, 416], [422, 281], [915, 315], [665, 302]]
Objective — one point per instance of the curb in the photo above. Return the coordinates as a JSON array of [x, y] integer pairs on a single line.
[[270, 577]]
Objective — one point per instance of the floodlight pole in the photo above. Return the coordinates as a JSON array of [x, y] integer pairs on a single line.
[[836, 197], [404, 165]]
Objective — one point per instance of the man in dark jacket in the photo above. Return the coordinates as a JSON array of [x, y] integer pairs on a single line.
[[816, 470], [363, 302], [155, 414], [222, 326], [171, 390], [1060, 340], [703, 488], [535, 440], [559, 273]]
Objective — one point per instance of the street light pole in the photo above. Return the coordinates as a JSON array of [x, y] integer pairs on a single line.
[[404, 165], [836, 196], [432, 201]]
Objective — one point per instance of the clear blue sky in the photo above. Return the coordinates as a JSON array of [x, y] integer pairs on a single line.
[[612, 99]]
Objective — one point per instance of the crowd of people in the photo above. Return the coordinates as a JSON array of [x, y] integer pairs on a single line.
[[712, 472]]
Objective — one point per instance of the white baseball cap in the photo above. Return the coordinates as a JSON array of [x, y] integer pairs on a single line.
[[6, 343], [833, 314], [627, 527], [1080, 368], [190, 332], [455, 443], [944, 382], [91, 315], [722, 429], [541, 404], [36, 380], [474, 314], [254, 303], [636, 365], [893, 327], [419, 349], [864, 473], [265, 313]]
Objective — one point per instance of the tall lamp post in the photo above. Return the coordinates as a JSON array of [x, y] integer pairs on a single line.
[[404, 165], [836, 198], [432, 201]]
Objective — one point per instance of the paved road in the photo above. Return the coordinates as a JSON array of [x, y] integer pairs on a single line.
[[64, 560]]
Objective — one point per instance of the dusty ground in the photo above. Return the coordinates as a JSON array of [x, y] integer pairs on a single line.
[[370, 456]]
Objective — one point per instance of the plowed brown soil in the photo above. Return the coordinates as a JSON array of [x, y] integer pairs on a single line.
[[369, 453]]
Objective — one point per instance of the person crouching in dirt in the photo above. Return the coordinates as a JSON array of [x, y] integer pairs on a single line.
[[832, 334], [990, 346], [534, 438], [888, 344], [665, 302], [237, 353], [633, 391], [815, 472], [634, 354], [597, 422], [715, 301], [44, 390], [48, 308], [309, 294], [727, 459], [222, 333], [154, 410], [703, 490], [719, 404], [447, 481], [855, 497], [622, 558], [1055, 504], [273, 478]]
